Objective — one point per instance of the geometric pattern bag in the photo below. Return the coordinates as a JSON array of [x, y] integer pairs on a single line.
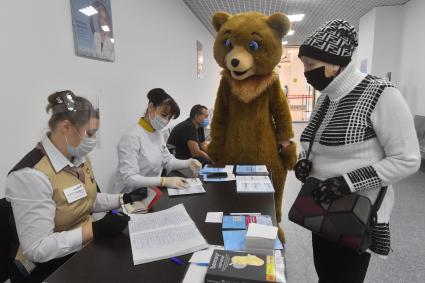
[[347, 220]]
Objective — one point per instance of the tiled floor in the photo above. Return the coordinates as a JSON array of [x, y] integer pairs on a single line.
[[405, 264]]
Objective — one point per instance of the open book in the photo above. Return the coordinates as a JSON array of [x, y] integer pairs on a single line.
[[164, 234]]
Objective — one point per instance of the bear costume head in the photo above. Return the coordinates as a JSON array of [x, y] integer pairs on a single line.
[[249, 44]]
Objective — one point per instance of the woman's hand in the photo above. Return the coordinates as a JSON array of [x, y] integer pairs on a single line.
[[174, 182], [195, 166], [302, 169]]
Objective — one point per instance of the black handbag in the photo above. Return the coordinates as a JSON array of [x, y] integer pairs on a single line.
[[347, 220]]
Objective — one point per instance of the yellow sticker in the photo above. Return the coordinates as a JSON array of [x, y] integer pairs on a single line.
[[270, 269]]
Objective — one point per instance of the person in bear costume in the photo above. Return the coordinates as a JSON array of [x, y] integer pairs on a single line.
[[251, 119]]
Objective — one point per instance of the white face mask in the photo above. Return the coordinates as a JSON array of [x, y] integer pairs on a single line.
[[85, 147], [158, 123]]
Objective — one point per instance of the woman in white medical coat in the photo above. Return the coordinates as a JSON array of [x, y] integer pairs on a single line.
[[142, 151]]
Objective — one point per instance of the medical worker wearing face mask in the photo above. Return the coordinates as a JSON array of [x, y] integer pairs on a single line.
[[142, 151], [52, 192]]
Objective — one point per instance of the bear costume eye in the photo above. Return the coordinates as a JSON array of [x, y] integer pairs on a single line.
[[228, 43], [253, 45]]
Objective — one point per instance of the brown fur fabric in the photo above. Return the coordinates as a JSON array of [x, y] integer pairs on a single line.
[[250, 88], [252, 115]]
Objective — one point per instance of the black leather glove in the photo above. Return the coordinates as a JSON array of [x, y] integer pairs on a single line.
[[302, 169], [331, 189], [136, 195], [110, 225]]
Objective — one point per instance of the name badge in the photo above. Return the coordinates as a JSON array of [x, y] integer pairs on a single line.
[[75, 193]]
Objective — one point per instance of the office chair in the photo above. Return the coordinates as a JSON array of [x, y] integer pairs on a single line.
[[9, 242]]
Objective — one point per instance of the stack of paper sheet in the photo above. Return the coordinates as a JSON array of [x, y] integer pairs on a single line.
[[254, 184]]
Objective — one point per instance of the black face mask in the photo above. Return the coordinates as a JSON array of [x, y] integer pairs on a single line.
[[317, 78]]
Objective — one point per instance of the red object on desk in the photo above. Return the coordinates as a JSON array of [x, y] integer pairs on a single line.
[[158, 195]]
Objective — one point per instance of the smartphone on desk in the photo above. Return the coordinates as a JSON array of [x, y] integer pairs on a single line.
[[217, 175]]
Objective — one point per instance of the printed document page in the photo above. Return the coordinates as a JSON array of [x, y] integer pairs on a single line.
[[164, 234]]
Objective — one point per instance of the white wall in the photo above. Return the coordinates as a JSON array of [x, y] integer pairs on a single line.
[[366, 39], [387, 47], [412, 67], [391, 39], [379, 41], [155, 46]]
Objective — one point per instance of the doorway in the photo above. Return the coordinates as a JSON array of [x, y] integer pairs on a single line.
[[300, 95]]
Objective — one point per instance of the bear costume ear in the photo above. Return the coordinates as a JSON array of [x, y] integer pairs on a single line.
[[280, 23], [219, 19]]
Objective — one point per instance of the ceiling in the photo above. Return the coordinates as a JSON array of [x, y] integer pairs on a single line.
[[316, 11]]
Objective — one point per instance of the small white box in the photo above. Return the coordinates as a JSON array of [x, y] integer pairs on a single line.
[[260, 238]]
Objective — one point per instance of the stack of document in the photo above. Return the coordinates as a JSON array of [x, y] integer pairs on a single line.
[[254, 184], [260, 238], [234, 240], [230, 177], [194, 187], [199, 265], [251, 170], [208, 173], [210, 169], [164, 234], [144, 205], [241, 222]]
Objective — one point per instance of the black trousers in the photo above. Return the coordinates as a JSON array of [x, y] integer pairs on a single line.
[[337, 264]]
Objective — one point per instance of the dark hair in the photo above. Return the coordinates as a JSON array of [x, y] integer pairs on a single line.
[[159, 97], [65, 105], [197, 110]]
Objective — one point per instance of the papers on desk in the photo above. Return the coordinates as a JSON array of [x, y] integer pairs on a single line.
[[257, 170], [210, 169], [254, 184], [214, 217], [199, 265], [260, 238], [234, 240], [230, 177], [241, 222], [194, 187], [204, 256], [164, 234]]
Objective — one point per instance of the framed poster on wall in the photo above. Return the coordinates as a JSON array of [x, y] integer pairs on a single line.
[[93, 31]]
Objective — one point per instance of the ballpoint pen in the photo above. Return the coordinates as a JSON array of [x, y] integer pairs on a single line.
[[202, 264], [177, 261]]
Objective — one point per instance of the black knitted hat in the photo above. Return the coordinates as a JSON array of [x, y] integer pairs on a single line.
[[334, 43]]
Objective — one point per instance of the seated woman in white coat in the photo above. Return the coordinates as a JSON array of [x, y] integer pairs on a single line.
[[142, 151]]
